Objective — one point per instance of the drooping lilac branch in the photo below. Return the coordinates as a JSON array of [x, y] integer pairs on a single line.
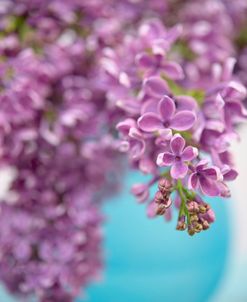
[[81, 83]]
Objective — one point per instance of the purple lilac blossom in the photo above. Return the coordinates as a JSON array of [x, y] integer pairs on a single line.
[[73, 73], [167, 118], [207, 117], [177, 157]]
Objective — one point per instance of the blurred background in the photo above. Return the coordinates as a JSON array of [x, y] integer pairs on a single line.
[[147, 260]]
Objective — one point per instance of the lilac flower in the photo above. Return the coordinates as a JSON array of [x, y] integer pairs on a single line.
[[134, 142], [166, 118], [229, 174], [207, 102], [141, 191], [155, 87], [51, 260], [178, 157], [157, 64], [205, 178]]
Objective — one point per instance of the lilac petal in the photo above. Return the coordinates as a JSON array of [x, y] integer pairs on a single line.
[[129, 105], [124, 127], [189, 153], [166, 108], [159, 160], [185, 102], [144, 60], [147, 166], [168, 203], [230, 175], [209, 187], [213, 173], [210, 216], [236, 108], [218, 103], [177, 144], [183, 120], [124, 146], [215, 125], [226, 158], [159, 47], [156, 87], [224, 190], [227, 69], [235, 90], [165, 133], [202, 164], [162, 142], [193, 182], [173, 70], [151, 209], [150, 122], [150, 106], [144, 197], [174, 33], [168, 215], [151, 29], [165, 159], [179, 170], [177, 201], [140, 191], [135, 133], [137, 149]]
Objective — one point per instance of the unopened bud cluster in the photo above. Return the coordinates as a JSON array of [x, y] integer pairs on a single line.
[[162, 197], [199, 217]]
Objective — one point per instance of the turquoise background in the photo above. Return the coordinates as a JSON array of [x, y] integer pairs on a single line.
[[148, 261]]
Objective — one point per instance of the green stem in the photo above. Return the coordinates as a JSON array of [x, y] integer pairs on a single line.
[[182, 193], [190, 195], [182, 197]]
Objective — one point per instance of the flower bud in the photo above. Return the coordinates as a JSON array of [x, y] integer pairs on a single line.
[[161, 209], [168, 203], [192, 207], [202, 209], [165, 185], [198, 228], [194, 218], [191, 231], [205, 225], [181, 225], [159, 198]]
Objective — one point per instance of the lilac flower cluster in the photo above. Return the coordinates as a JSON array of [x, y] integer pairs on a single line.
[[82, 82], [175, 133], [55, 133], [50, 249]]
